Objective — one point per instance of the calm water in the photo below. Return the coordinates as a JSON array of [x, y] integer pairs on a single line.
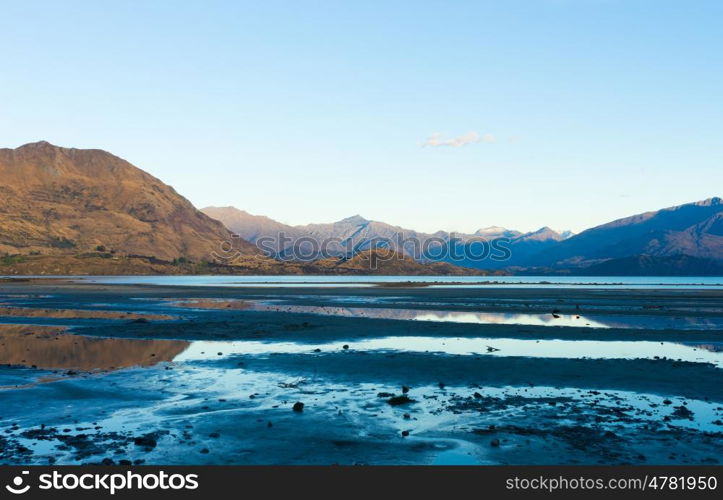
[[678, 322], [560, 349], [441, 281]]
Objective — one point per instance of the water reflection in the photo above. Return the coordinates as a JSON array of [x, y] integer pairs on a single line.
[[52, 349], [419, 314], [659, 322], [569, 349]]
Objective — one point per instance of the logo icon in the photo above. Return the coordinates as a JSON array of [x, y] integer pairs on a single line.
[[17, 487]]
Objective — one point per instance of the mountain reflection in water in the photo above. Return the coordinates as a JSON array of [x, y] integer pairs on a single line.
[[51, 348]]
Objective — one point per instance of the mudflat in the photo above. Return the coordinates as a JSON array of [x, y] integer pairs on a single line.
[[110, 373]]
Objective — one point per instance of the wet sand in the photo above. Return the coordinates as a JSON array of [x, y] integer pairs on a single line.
[[204, 375]]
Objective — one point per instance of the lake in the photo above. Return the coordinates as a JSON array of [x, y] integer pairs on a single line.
[[658, 282]]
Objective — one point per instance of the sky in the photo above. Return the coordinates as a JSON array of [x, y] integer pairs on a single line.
[[430, 115]]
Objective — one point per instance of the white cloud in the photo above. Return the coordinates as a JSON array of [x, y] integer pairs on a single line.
[[437, 139]]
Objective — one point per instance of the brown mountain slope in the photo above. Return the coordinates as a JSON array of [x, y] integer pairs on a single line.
[[63, 201]]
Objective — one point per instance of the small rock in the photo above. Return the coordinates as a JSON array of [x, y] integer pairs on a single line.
[[148, 442], [405, 433], [400, 400], [405, 389], [298, 406], [683, 412]]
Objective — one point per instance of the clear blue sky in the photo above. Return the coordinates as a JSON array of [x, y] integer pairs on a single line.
[[566, 113]]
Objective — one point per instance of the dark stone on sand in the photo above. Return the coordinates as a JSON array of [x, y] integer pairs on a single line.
[[148, 441], [400, 400], [477, 395], [405, 389], [204, 451], [683, 412], [442, 385], [667, 402], [407, 416], [405, 433], [298, 406], [345, 346]]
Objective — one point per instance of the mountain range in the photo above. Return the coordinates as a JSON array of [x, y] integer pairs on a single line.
[[86, 211], [685, 239], [693, 229], [353, 234]]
